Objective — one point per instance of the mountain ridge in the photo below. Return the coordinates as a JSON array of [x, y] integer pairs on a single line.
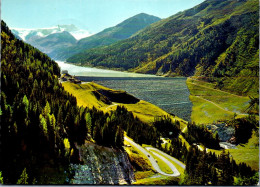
[[109, 35], [198, 41], [53, 41], [48, 40]]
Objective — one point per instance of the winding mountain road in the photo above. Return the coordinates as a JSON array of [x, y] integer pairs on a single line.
[[166, 155], [175, 173], [113, 104]]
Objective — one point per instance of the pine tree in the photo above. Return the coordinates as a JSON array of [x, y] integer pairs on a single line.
[[26, 105], [43, 125], [67, 146], [226, 175], [97, 134], [88, 122], [47, 110], [119, 138], [1, 178], [23, 178], [214, 179], [60, 117]]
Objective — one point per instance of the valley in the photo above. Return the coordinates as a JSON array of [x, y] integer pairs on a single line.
[[86, 95], [170, 94], [212, 40], [146, 99], [90, 95]]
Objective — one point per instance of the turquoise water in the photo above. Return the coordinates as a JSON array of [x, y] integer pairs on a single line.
[[95, 72]]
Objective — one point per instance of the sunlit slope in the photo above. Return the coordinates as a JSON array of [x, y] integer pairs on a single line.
[[210, 104], [215, 39], [248, 153], [94, 95]]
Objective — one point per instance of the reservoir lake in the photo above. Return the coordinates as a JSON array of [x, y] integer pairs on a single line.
[[170, 94]]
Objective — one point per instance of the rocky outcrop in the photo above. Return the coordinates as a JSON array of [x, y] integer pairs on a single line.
[[224, 132], [102, 165]]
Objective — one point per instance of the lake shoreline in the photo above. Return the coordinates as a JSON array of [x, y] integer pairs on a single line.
[[122, 71], [94, 71], [169, 93]]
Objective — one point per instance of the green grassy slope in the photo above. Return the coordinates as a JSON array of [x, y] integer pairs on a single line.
[[91, 95], [94, 95], [216, 39], [210, 104], [248, 153]]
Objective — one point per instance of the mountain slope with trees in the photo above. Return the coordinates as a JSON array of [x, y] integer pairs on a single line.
[[35, 131], [108, 36], [217, 40], [41, 124]]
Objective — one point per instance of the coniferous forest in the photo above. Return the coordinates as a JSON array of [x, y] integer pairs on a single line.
[[58, 129], [41, 123]]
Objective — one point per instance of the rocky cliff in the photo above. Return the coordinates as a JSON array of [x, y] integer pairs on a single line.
[[102, 165]]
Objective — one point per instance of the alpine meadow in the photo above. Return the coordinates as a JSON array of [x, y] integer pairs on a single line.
[[130, 92]]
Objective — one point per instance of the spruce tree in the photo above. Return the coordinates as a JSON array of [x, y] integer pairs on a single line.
[[1, 178], [226, 175], [23, 178]]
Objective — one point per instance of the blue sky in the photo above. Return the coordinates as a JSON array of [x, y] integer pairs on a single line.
[[91, 15]]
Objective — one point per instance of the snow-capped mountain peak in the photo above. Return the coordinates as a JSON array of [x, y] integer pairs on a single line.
[[26, 34], [80, 34]]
